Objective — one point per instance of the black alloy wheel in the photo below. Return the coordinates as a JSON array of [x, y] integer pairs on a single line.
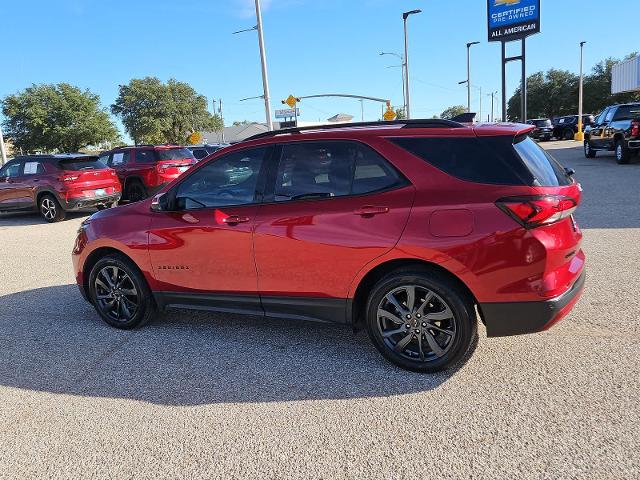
[[119, 293], [421, 322], [50, 209], [588, 151], [135, 191]]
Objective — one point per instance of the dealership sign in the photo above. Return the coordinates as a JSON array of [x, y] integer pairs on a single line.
[[513, 19]]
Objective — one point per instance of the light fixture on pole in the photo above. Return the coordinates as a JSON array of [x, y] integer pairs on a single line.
[[469, 88], [469, 45], [407, 90], [580, 135], [263, 60], [402, 67]]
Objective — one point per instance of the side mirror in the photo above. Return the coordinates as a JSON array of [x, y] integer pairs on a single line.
[[160, 203]]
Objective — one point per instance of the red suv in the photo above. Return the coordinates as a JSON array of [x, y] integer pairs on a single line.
[[145, 169], [56, 184], [412, 230]]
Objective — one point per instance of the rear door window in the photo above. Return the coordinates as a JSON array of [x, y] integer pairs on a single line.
[[199, 153], [120, 158], [311, 170], [33, 168]]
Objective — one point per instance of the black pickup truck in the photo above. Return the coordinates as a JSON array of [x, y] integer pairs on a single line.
[[616, 129]]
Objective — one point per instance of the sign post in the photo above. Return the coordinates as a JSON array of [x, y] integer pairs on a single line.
[[508, 21]]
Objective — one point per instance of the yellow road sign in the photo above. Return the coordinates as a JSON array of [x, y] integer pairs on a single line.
[[389, 115], [291, 101]]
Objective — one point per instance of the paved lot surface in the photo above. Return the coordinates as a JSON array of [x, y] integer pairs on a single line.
[[211, 396]]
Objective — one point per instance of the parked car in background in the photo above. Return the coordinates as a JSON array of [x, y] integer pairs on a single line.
[[616, 129], [57, 184], [565, 128], [145, 169], [543, 130], [388, 227], [204, 150]]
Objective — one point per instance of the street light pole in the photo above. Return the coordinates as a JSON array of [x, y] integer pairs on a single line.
[[580, 135], [402, 67], [3, 152], [265, 78], [469, 45], [406, 15]]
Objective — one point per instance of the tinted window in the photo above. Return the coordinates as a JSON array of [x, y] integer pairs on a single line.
[[105, 158], [627, 112], [82, 164], [331, 169], [541, 123], [174, 154], [230, 180], [145, 156], [545, 169], [10, 170], [481, 160], [609, 116], [600, 118], [199, 153]]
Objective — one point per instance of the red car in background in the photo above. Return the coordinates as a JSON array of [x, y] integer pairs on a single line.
[[144, 169], [412, 230], [56, 184]]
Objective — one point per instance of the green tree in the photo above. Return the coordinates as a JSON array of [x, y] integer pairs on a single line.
[[400, 114], [555, 93], [453, 112], [59, 118], [154, 112]]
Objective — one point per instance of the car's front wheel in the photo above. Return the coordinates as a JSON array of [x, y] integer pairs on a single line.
[[421, 321], [50, 209], [568, 134], [120, 293]]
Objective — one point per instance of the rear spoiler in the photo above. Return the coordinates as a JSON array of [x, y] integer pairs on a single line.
[[469, 117]]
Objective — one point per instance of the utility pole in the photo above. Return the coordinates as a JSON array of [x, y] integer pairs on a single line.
[[406, 15], [469, 45], [3, 151], [492, 95], [580, 135], [263, 58]]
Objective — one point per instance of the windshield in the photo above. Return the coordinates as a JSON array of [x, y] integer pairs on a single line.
[[77, 164], [175, 154]]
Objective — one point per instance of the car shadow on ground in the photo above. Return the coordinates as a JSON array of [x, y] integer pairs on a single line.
[[21, 219], [53, 341]]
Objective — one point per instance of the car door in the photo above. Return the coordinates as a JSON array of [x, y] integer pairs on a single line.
[[330, 209], [119, 161], [597, 130], [202, 249], [13, 191]]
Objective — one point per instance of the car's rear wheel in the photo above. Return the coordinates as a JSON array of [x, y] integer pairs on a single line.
[[420, 321], [135, 191], [623, 154], [568, 134], [50, 209], [120, 293], [588, 151]]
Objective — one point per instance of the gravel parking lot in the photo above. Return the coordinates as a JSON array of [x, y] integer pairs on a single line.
[[198, 395]]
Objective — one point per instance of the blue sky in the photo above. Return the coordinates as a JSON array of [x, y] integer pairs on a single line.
[[313, 46]]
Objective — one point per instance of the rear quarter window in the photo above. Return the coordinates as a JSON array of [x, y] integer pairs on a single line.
[[489, 160]]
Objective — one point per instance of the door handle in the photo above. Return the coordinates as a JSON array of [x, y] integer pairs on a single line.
[[235, 220], [370, 211]]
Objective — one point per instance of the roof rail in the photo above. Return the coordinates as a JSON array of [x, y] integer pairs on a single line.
[[426, 123]]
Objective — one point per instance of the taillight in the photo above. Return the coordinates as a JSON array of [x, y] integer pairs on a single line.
[[535, 211], [70, 178], [635, 128]]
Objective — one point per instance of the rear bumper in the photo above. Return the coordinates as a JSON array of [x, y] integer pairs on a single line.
[[518, 318], [81, 203]]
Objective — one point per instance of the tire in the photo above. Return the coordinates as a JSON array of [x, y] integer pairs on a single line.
[[50, 209], [568, 134], [419, 343], [120, 294], [107, 206], [588, 151], [135, 191], [623, 154]]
